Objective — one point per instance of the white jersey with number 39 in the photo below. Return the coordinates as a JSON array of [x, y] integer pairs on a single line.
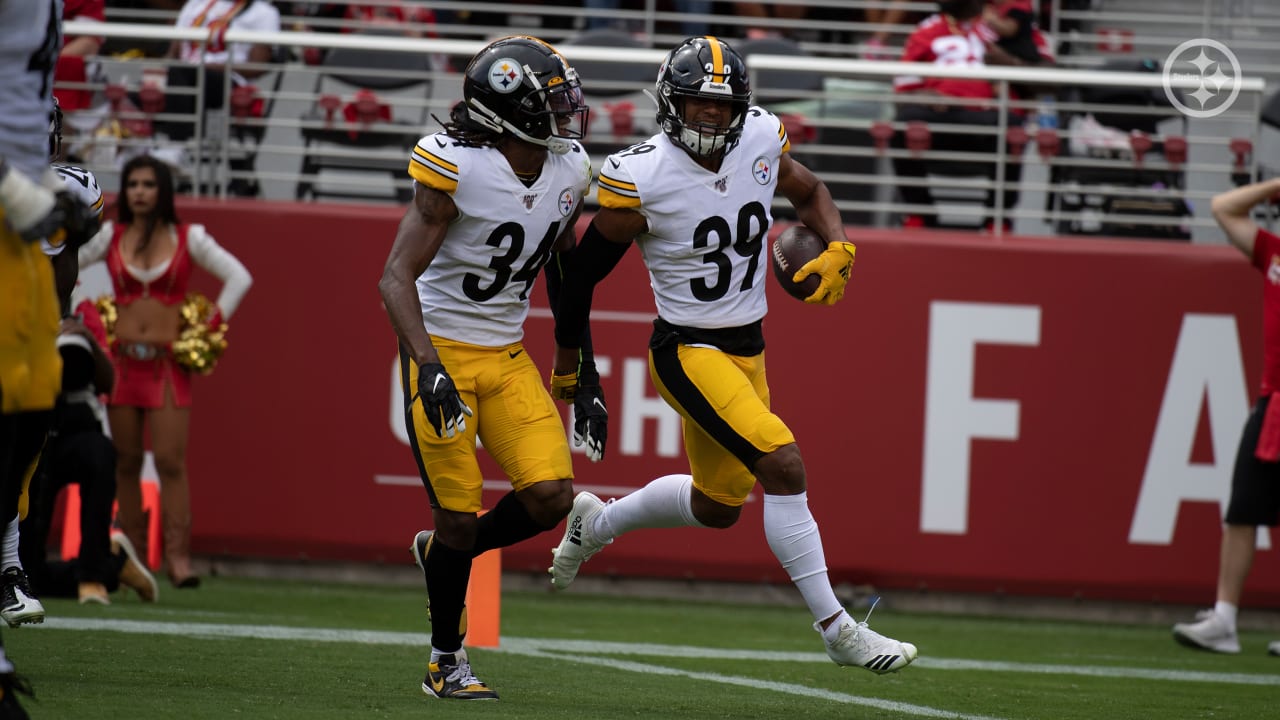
[[476, 289], [705, 243]]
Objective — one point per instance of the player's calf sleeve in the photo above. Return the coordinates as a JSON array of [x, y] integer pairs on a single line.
[[506, 524], [664, 502], [794, 539], [448, 572]]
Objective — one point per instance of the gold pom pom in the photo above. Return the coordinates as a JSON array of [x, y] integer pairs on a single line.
[[107, 309], [199, 344]]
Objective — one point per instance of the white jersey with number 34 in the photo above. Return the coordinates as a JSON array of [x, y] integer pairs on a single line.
[[476, 289]]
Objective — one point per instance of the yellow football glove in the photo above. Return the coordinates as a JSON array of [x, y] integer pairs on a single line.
[[564, 387], [833, 267]]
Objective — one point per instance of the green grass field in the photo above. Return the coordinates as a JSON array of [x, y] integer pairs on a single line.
[[242, 648]]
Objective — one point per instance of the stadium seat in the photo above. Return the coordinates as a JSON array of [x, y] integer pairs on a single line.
[[354, 124]]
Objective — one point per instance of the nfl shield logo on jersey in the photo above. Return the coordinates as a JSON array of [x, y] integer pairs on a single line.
[[566, 201]]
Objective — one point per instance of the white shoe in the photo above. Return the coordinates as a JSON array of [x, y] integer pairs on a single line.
[[18, 605], [1209, 632], [579, 543], [858, 644]]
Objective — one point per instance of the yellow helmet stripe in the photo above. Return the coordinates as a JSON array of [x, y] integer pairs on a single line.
[[717, 60]]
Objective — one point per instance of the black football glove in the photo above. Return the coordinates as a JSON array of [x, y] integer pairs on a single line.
[[440, 400], [590, 421], [79, 221]]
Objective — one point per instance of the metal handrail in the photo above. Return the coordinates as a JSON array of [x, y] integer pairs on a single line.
[[879, 72]]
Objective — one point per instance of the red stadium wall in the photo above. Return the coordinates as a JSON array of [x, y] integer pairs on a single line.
[[1033, 416]]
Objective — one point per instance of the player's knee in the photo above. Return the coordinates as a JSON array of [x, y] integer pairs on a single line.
[[781, 472], [549, 502], [713, 514]]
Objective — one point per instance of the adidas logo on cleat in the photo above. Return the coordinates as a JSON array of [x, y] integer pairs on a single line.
[[575, 531], [881, 663]]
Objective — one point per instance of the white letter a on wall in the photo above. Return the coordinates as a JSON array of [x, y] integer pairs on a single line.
[[1207, 366]]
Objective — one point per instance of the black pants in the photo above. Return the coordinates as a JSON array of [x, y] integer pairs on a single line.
[[919, 168], [21, 437], [87, 458]]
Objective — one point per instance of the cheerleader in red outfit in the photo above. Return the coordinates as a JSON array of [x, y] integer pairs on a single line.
[[150, 254]]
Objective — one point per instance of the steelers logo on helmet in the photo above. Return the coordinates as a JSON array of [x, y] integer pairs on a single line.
[[505, 75], [523, 87]]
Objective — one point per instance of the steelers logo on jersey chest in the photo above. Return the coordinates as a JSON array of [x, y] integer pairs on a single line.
[[567, 201], [505, 75], [762, 170]]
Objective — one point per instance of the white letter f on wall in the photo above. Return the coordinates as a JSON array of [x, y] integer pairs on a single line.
[[952, 416]]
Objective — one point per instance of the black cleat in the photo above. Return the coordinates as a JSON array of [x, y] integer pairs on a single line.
[[450, 677]]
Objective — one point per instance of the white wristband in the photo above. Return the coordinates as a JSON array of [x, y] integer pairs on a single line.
[[25, 202]]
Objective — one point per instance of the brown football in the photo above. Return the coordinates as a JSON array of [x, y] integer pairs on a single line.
[[796, 246]]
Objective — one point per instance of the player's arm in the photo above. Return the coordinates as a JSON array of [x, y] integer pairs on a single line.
[[602, 246], [1234, 212], [555, 273], [816, 209], [582, 387], [421, 231]]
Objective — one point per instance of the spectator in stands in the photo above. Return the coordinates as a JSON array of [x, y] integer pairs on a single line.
[[391, 17], [953, 37], [1255, 484], [149, 254], [71, 67], [215, 55], [1014, 24], [763, 13], [879, 45]]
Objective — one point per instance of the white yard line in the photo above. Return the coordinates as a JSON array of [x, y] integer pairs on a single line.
[[567, 649]]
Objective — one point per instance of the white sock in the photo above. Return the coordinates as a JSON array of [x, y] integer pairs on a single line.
[[664, 502], [1226, 611], [793, 536], [9, 546]]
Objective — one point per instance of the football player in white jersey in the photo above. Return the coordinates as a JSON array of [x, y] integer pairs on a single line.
[[496, 197], [696, 199]]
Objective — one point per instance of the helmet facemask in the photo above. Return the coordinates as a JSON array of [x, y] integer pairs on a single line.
[[704, 139], [709, 69], [546, 107]]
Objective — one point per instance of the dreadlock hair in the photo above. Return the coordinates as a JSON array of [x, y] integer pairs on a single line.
[[462, 128]]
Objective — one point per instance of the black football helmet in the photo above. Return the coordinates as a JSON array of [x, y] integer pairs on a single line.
[[523, 86], [705, 67]]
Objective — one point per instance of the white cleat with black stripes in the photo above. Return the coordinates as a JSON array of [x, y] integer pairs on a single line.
[[857, 644]]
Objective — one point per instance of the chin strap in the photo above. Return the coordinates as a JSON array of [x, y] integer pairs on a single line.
[[490, 119]]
